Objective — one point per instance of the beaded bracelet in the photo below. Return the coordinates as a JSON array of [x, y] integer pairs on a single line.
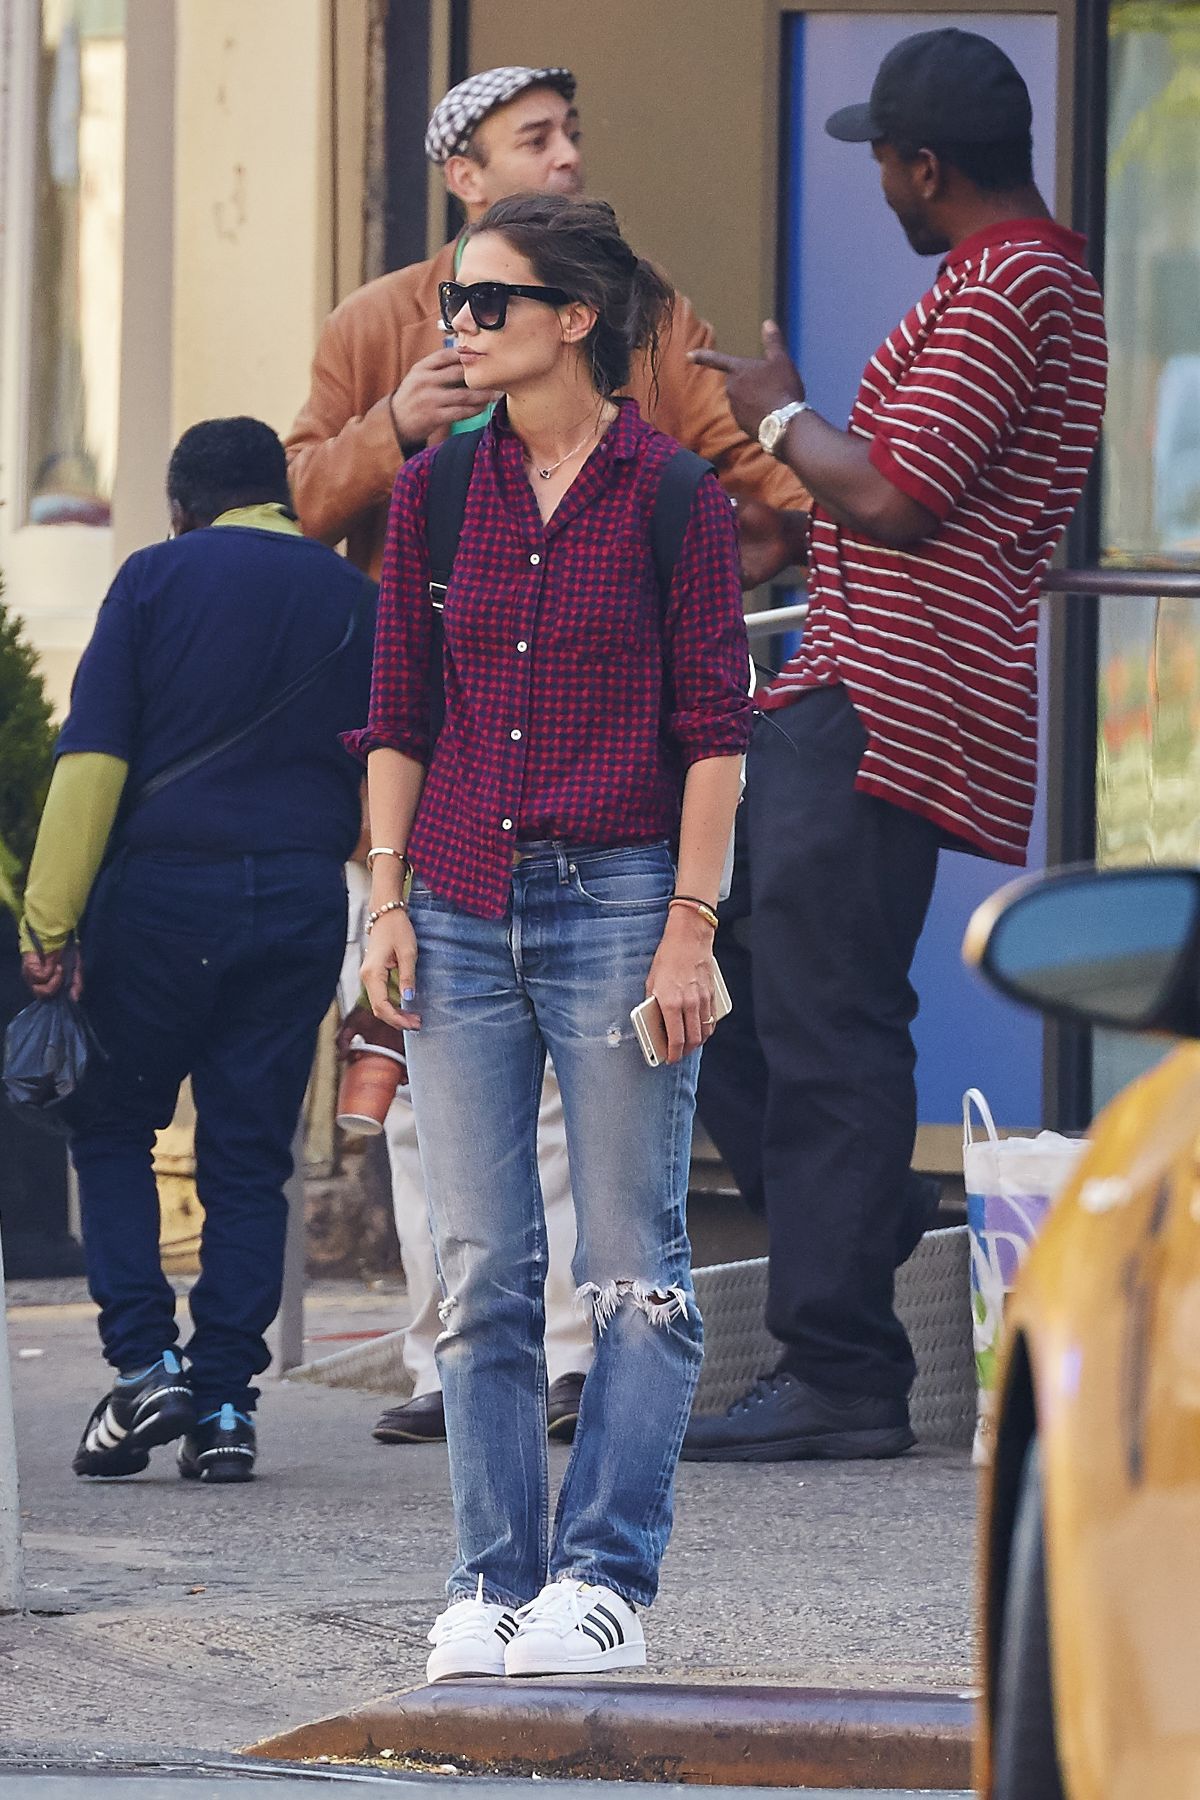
[[388, 906], [707, 912]]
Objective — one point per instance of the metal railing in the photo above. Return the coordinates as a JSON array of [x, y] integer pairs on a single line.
[[1115, 584]]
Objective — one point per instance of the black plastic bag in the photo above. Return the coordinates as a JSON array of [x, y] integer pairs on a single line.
[[46, 1052]]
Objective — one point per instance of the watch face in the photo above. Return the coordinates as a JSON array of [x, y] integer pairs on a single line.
[[770, 431]]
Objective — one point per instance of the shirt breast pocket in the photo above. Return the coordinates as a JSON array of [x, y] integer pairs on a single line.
[[607, 612]]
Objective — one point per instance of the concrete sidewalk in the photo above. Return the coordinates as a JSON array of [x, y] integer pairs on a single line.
[[166, 1613]]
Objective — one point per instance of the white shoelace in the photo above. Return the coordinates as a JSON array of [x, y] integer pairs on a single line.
[[468, 1617], [561, 1607]]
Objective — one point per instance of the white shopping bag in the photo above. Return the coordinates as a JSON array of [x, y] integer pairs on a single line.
[[1011, 1184]]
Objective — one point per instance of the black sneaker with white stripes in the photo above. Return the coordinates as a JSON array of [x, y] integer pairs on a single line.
[[146, 1407], [220, 1447], [575, 1628]]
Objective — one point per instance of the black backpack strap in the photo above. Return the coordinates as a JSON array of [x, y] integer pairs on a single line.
[[681, 475], [445, 504]]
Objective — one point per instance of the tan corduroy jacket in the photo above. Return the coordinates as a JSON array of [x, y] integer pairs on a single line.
[[342, 449]]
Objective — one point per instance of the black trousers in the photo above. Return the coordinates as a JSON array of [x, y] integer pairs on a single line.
[[807, 1087]]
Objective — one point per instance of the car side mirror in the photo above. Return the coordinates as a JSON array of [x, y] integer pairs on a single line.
[[1115, 947]]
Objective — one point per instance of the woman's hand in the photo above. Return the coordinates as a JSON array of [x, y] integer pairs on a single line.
[[361, 1022], [392, 949], [682, 980]]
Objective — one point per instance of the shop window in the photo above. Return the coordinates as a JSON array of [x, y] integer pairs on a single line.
[[1148, 753], [75, 303], [1152, 284]]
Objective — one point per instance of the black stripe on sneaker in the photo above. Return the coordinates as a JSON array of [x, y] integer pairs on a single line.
[[506, 1629], [602, 1643], [601, 1625], [610, 1617]]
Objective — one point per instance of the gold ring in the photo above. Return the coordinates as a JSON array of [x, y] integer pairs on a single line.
[[708, 1021]]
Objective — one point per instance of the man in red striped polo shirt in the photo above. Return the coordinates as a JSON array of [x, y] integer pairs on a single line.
[[906, 722]]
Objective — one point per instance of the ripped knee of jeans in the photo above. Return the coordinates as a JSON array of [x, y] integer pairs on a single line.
[[661, 1305], [446, 1311]]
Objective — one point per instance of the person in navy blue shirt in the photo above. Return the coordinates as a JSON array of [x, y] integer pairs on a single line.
[[195, 832]]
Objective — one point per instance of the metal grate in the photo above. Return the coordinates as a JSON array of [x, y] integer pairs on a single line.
[[932, 1299]]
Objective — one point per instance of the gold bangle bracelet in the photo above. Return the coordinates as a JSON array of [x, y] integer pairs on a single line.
[[707, 912], [383, 850]]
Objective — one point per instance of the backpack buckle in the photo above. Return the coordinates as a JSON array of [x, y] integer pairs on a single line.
[[437, 595]]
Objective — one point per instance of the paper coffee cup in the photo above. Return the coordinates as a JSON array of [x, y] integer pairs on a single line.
[[367, 1088]]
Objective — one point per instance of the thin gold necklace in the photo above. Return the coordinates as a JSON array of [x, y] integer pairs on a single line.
[[548, 472]]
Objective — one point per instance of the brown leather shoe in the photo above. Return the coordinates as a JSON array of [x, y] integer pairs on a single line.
[[562, 1407], [419, 1421]]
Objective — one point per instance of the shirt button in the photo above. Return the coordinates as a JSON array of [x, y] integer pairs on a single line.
[[506, 824], [535, 559], [515, 736], [522, 647]]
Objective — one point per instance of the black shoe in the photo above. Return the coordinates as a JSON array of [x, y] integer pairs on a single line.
[[782, 1419], [562, 1407], [149, 1407], [221, 1447], [419, 1421]]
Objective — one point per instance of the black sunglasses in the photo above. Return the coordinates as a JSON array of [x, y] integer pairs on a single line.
[[488, 300]]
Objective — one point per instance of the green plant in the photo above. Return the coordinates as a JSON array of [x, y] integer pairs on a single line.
[[26, 747]]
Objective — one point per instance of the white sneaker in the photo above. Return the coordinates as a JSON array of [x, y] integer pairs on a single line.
[[469, 1638], [574, 1628]]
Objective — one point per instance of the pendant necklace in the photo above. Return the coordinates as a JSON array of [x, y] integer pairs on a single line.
[[548, 472]]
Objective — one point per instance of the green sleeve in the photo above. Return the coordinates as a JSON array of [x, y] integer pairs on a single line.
[[77, 821]]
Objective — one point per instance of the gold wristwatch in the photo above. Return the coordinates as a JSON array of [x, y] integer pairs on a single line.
[[771, 431]]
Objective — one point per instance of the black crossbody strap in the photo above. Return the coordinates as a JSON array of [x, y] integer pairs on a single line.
[[186, 765]]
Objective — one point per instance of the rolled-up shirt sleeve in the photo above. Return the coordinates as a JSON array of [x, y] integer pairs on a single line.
[[398, 718], [707, 653], [960, 399]]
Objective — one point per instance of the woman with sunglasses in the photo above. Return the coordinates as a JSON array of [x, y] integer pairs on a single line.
[[565, 842]]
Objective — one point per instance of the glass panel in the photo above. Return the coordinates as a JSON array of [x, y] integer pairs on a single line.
[[1148, 753], [1111, 948], [75, 319], [1151, 509]]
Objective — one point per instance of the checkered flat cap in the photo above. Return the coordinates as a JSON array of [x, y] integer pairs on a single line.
[[455, 117]]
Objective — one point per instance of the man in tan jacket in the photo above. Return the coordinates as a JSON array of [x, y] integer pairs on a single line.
[[384, 385]]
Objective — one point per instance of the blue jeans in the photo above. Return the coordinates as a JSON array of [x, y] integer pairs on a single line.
[[559, 974], [221, 969]]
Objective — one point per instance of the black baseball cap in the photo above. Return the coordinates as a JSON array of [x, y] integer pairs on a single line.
[[939, 87]]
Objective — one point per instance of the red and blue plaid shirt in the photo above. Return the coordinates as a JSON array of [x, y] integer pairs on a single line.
[[575, 698]]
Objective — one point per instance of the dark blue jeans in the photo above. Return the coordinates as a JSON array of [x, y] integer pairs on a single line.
[[221, 970]]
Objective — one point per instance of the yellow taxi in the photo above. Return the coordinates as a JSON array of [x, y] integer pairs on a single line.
[[1091, 1550]]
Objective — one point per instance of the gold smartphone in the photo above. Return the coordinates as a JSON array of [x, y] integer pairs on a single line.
[[651, 1028]]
